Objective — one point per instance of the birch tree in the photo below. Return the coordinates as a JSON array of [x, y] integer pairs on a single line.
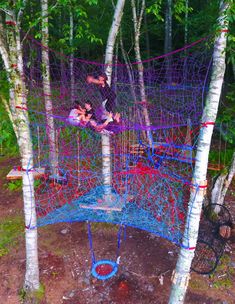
[[50, 127], [106, 150], [222, 184], [181, 275], [168, 27], [137, 20], [11, 53], [71, 57], [186, 23]]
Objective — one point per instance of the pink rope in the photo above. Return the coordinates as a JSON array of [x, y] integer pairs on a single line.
[[123, 64]]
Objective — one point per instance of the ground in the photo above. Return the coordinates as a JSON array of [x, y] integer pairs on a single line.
[[144, 275]]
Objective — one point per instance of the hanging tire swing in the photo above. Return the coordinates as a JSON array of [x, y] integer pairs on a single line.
[[104, 269]]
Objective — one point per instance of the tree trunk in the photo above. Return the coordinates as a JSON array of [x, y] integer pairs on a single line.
[[168, 41], [168, 27], [71, 59], [222, 184], [186, 23], [131, 81], [181, 275], [50, 128], [13, 64], [106, 151], [137, 25], [112, 38], [147, 37]]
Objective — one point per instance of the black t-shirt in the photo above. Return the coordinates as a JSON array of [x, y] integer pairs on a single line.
[[107, 93]]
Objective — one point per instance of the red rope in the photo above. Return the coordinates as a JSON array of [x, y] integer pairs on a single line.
[[202, 187], [207, 123], [10, 22], [22, 108]]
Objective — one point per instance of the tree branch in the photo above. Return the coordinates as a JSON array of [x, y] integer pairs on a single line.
[[20, 14]]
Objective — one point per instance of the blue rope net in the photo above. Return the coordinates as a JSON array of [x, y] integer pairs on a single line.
[[151, 150]]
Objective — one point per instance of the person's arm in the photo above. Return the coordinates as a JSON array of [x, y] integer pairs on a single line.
[[103, 125], [91, 79], [79, 111]]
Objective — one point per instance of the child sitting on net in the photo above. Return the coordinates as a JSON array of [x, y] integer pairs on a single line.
[[92, 120], [77, 116], [86, 117]]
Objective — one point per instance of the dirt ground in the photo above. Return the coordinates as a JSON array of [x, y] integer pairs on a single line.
[[144, 274]]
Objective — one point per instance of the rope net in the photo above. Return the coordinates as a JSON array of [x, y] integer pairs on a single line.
[[136, 171]]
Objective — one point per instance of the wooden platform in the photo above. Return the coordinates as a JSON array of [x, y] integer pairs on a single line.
[[137, 149], [17, 174]]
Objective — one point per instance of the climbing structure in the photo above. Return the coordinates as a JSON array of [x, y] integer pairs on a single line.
[[144, 179]]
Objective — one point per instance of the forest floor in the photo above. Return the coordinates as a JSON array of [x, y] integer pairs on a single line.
[[144, 274]]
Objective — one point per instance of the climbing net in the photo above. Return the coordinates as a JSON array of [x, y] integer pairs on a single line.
[[136, 172]]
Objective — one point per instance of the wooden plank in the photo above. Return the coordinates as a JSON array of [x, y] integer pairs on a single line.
[[102, 207], [16, 174], [106, 205]]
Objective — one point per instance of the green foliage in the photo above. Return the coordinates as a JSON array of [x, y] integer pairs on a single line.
[[7, 136], [10, 231], [15, 185], [156, 10], [8, 144], [226, 116], [230, 49], [83, 32], [180, 10], [221, 157]]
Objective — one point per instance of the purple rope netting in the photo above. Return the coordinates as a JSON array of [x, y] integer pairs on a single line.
[[152, 146]]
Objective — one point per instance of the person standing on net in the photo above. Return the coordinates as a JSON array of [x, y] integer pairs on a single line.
[[107, 94]]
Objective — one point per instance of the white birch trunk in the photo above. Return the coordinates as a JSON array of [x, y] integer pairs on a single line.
[[112, 38], [181, 275], [137, 25], [168, 40], [106, 150], [71, 59], [228, 181], [53, 157], [13, 64], [217, 189], [222, 184], [186, 23], [168, 27]]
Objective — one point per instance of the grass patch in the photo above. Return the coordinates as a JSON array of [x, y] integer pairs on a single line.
[[10, 231], [224, 275], [34, 297]]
